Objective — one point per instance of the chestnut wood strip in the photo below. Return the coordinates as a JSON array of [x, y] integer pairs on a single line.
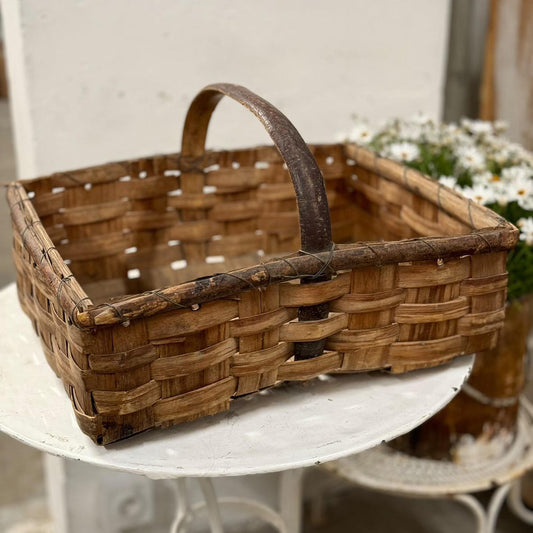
[[150, 187], [192, 201], [246, 178], [235, 245], [478, 323], [313, 330], [255, 324], [242, 210], [421, 225], [426, 273], [364, 303], [188, 363], [310, 368], [121, 361], [95, 247], [296, 295], [422, 351], [48, 203], [485, 285], [351, 339], [185, 322], [261, 358], [432, 312], [195, 231], [186, 405], [75, 216], [125, 402]]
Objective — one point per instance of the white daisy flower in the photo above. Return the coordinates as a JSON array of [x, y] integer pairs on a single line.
[[527, 158], [484, 178], [411, 132], [451, 128], [470, 158], [403, 151], [501, 155], [448, 181], [517, 173], [436, 136], [500, 126], [526, 230], [526, 202], [461, 141], [482, 194], [501, 191], [477, 127], [520, 190], [360, 134]]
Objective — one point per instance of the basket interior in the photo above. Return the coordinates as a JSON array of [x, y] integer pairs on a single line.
[[135, 226]]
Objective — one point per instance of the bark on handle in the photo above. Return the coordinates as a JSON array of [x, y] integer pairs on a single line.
[[315, 226], [307, 179]]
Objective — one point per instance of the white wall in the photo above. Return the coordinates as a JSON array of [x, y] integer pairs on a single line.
[[100, 80]]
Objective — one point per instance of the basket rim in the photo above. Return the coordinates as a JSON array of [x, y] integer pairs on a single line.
[[491, 233]]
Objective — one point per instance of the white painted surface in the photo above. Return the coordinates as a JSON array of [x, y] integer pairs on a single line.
[[287, 427], [98, 81]]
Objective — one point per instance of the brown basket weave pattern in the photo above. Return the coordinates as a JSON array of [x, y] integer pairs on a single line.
[[160, 356]]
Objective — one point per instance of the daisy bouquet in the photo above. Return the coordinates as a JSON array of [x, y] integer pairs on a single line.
[[474, 158]]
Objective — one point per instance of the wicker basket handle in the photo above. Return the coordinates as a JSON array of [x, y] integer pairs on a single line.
[[308, 182], [315, 226]]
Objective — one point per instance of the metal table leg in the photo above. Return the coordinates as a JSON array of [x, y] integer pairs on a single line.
[[290, 502], [495, 505], [516, 504], [288, 520], [475, 506]]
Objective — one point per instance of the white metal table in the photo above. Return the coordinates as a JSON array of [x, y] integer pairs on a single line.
[[279, 430]]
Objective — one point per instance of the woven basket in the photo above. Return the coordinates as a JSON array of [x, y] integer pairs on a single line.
[[417, 275]]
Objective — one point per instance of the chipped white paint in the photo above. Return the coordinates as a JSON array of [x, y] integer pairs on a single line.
[[288, 427]]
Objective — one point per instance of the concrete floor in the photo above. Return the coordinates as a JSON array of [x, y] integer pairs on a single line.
[[22, 494]]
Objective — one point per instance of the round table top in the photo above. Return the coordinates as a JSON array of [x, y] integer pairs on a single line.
[[290, 426]]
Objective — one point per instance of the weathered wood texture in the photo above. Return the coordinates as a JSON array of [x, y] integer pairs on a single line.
[[105, 256]]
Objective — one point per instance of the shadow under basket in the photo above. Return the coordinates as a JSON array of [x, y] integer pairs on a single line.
[[105, 257]]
